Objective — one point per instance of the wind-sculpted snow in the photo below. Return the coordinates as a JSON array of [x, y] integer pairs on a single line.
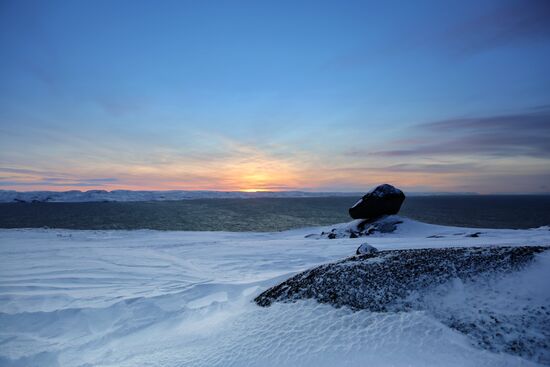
[[171, 299], [405, 280]]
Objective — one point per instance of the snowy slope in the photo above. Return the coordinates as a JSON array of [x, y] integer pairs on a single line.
[[149, 298]]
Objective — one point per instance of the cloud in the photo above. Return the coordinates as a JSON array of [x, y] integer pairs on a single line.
[[27, 171], [511, 22], [32, 177], [49, 183], [212, 162], [120, 106], [83, 181], [515, 135], [433, 167]]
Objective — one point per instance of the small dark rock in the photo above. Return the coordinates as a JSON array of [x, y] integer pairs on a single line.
[[365, 248], [476, 234]]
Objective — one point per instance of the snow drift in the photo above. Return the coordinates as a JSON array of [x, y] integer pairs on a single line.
[[148, 298], [402, 280]]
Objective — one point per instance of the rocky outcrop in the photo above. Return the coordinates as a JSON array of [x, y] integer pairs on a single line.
[[376, 280], [421, 279], [361, 228], [382, 200]]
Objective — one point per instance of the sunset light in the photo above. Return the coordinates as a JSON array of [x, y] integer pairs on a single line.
[[289, 183], [215, 99]]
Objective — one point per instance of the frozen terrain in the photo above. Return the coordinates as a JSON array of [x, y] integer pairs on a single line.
[[151, 298], [77, 196]]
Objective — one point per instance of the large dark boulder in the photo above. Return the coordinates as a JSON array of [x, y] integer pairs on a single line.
[[383, 200]]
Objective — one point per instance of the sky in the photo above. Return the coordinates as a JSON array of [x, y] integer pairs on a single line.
[[275, 95]]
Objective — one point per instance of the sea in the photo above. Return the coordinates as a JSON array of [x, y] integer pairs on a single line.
[[273, 214]]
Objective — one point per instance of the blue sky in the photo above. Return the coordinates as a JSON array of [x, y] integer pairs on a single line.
[[260, 95]]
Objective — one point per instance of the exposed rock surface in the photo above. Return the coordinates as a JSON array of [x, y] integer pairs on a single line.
[[361, 228], [382, 200], [373, 281], [420, 279], [365, 249]]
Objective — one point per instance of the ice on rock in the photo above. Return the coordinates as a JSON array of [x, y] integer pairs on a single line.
[[365, 248]]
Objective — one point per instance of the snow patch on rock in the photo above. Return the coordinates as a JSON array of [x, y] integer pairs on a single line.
[[361, 228], [365, 249]]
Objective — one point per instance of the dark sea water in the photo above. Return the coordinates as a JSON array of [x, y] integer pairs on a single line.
[[272, 214]]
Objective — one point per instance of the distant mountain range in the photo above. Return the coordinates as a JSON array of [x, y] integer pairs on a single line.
[[7, 196]]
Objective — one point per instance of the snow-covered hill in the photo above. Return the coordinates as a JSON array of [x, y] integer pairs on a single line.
[[7, 196], [74, 196], [151, 298]]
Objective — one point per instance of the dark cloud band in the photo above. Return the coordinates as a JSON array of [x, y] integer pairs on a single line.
[[514, 135]]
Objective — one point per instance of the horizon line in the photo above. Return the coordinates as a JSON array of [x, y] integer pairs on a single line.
[[340, 192]]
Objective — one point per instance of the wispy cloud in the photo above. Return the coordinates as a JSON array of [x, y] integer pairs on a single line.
[[36, 178], [120, 106], [26, 171], [214, 162], [510, 22], [484, 27], [515, 135], [433, 167], [51, 183]]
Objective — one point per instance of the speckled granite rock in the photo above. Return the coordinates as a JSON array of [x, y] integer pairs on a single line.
[[420, 279], [373, 281]]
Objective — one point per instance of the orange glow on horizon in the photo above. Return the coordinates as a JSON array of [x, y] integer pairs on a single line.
[[244, 169], [258, 175]]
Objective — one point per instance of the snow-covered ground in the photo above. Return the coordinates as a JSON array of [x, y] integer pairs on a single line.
[[151, 298]]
